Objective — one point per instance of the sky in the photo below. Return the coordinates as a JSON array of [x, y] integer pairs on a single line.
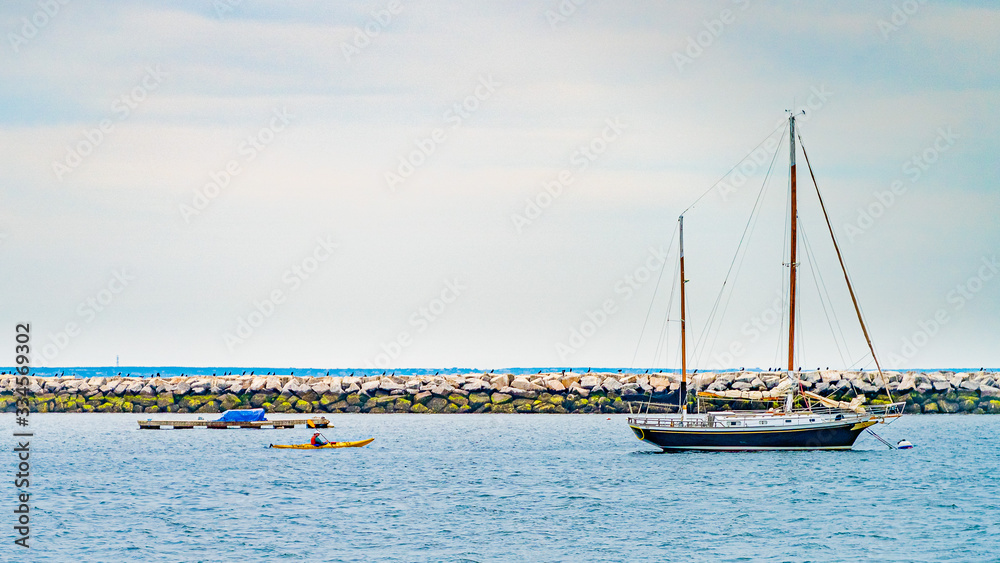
[[393, 184]]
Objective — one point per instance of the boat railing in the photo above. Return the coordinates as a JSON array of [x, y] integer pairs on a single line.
[[891, 410], [672, 423], [723, 422], [744, 418]]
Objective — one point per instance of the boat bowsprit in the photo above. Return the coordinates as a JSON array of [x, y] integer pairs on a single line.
[[330, 445]]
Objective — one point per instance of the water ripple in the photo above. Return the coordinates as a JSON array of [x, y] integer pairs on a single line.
[[471, 488]]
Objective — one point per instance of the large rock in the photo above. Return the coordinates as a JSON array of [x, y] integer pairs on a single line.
[[229, 401], [969, 385], [521, 383], [518, 392], [661, 383], [387, 384], [866, 388], [700, 380], [437, 404], [53, 385], [473, 385], [477, 400], [555, 385], [307, 393], [812, 376], [907, 383], [500, 398], [947, 406], [829, 376], [442, 389], [611, 384], [988, 391], [941, 386], [501, 381], [589, 382]]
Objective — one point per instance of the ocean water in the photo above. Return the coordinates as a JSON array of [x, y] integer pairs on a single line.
[[173, 371], [499, 488]]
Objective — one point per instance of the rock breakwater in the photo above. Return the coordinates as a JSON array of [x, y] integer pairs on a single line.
[[560, 392]]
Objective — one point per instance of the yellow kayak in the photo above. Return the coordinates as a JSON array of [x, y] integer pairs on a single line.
[[358, 444]]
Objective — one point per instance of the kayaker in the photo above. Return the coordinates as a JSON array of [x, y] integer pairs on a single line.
[[318, 440]]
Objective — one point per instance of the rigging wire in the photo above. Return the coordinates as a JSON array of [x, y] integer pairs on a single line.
[[702, 343], [817, 277], [847, 277], [724, 176], [661, 341], [652, 299], [739, 267], [785, 279]]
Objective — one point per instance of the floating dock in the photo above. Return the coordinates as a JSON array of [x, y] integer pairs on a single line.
[[320, 422]]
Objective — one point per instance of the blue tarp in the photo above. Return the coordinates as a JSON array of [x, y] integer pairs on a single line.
[[243, 415]]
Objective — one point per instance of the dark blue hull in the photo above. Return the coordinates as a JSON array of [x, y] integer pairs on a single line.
[[828, 437]]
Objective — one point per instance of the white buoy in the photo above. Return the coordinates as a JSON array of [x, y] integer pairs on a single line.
[[904, 445]]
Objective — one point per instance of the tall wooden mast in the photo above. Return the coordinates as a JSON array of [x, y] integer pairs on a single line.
[[792, 255], [683, 389]]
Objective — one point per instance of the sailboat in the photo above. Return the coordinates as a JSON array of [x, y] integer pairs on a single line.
[[790, 424]]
